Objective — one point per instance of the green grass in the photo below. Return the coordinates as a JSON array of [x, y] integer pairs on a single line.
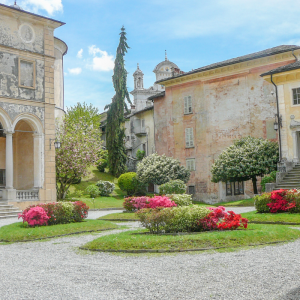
[[279, 217], [120, 216], [114, 200], [254, 235], [17, 232], [243, 203]]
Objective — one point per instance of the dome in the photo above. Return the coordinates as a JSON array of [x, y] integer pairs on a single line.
[[16, 6], [165, 66]]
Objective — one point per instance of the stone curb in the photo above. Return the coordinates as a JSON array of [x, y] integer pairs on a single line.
[[54, 236], [127, 220], [104, 209], [177, 250], [274, 223]]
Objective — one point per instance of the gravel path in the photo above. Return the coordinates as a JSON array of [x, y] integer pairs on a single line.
[[56, 269]]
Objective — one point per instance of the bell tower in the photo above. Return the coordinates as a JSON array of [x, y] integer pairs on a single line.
[[138, 76]]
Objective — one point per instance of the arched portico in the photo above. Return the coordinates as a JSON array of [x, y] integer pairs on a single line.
[[23, 161]]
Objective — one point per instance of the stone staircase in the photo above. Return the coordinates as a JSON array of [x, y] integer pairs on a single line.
[[8, 211], [291, 180]]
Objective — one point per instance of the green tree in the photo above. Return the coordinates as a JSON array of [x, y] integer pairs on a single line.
[[246, 159], [115, 116], [79, 135], [160, 169]]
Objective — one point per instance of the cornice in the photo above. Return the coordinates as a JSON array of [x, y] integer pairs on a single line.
[[230, 69], [281, 78]]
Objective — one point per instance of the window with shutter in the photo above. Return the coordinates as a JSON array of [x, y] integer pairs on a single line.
[[188, 105], [189, 137], [190, 164]]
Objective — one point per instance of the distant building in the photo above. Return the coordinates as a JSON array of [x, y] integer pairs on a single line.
[[203, 111], [31, 96]]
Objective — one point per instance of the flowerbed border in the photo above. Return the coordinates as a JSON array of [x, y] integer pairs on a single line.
[[178, 250], [55, 236], [123, 220]]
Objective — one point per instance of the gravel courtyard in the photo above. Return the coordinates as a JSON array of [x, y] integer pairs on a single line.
[[56, 269]]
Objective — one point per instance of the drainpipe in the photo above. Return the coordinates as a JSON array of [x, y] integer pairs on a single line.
[[278, 118]]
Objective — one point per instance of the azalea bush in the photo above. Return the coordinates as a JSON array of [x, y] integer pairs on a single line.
[[35, 216], [176, 186], [219, 219], [181, 199], [105, 187], [278, 201], [137, 203], [56, 213]]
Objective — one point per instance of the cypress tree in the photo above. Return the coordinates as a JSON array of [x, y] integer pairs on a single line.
[[115, 134]]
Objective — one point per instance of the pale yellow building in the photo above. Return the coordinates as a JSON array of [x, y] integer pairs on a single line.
[[31, 96]]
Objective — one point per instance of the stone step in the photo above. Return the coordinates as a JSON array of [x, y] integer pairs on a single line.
[[14, 212], [291, 180], [7, 216]]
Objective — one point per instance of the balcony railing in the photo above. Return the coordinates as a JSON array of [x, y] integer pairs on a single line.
[[140, 131], [27, 195]]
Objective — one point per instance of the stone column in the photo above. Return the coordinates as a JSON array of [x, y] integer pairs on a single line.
[[9, 161], [37, 159], [9, 194], [295, 146]]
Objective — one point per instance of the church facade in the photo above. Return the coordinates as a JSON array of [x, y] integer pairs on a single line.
[[31, 97]]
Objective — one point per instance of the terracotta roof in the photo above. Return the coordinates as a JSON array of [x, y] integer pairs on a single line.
[[289, 67], [255, 55], [139, 111], [161, 94]]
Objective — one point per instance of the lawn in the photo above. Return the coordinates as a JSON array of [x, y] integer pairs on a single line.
[[138, 240], [243, 203], [17, 232], [279, 217], [120, 216], [114, 200]]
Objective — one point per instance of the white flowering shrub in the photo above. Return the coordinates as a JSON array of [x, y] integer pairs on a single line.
[[181, 199], [246, 159], [105, 187], [159, 169]]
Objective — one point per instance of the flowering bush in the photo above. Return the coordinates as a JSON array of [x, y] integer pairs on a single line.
[[105, 187], [278, 201], [218, 218], [181, 199], [137, 203], [59, 212], [35, 216], [159, 169], [177, 219], [93, 191], [173, 187]]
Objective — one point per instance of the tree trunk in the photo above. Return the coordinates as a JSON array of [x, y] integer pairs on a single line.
[[254, 182]]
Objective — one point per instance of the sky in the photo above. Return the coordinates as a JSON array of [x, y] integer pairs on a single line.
[[195, 33]]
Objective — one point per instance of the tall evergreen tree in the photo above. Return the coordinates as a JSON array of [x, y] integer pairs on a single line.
[[115, 116]]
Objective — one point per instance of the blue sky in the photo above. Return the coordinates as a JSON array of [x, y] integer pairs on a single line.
[[195, 33]]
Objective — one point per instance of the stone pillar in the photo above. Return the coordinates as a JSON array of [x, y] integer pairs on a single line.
[[295, 146], [37, 154], [9, 194]]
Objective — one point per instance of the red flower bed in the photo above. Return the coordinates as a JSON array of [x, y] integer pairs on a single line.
[[222, 220], [137, 203], [279, 203]]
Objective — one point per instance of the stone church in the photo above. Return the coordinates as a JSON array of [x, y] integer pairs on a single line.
[[31, 97]]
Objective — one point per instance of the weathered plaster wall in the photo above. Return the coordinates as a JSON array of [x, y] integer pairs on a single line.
[[9, 79], [225, 108], [23, 157], [17, 32]]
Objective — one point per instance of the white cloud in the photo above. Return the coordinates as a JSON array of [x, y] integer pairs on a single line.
[[75, 71], [79, 54], [101, 60], [50, 6]]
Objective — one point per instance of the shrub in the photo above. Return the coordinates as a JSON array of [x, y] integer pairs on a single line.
[[140, 154], [177, 219], [181, 200], [93, 191], [128, 204], [105, 187], [127, 182], [268, 179], [176, 186], [35, 216], [78, 194], [140, 202], [102, 163], [260, 203], [59, 212]]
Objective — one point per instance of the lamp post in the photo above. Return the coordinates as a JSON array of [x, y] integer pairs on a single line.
[[57, 144]]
